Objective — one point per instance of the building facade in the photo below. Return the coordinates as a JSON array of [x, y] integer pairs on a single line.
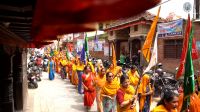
[[129, 36]]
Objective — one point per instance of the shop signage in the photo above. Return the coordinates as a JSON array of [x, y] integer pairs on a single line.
[[170, 29]]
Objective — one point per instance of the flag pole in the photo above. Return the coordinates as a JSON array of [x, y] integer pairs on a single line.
[[149, 37]]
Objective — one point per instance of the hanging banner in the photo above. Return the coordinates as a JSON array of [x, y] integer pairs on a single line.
[[79, 44], [99, 46], [90, 45], [170, 29]]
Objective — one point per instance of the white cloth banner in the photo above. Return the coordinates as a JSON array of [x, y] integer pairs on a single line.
[[154, 56]]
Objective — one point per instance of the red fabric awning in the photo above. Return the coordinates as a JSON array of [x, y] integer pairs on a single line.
[[64, 16]]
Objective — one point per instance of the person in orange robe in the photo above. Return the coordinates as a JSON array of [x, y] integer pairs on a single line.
[[108, 93], [89, 89], [169, 102], [145, 93], [74, 74], [100, 82], [126, 96], [194, 101]]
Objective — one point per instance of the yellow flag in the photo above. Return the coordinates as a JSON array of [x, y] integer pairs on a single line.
[[114, 61], [146, 49]]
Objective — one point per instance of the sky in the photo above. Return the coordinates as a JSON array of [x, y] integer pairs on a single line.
[[175, 6]]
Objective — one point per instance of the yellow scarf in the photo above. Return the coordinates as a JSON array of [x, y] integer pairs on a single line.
[[161, 108], [142, 89], [100, 81], [133, 77], [80, 67], [110, 89], [63, 62], [129, 92], [92, 67]]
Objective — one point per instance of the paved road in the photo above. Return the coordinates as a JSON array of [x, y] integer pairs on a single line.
[[56, 96]]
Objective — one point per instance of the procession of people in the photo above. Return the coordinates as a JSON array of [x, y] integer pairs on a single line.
[[113, 88]]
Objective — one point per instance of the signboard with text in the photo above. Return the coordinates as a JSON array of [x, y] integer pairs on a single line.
[[170, 29]]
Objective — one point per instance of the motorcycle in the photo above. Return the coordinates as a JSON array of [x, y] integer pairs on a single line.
[[163, 80], [36, 71], [37, 75], [32, 83]]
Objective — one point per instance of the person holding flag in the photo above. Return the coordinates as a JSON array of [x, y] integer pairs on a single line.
[[189, 101], [145, 93], [125, 96]]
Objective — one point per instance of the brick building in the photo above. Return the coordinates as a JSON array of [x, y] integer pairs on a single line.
[[129, 35]]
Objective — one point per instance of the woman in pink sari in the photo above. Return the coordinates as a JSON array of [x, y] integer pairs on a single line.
[[89, 88]]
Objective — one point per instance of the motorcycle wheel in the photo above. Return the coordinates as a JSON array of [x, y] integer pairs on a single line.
[[38, 79], [35, 84]]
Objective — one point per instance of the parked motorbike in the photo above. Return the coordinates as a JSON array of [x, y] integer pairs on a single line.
[[32, 83], [36, 71], [163, 80], [45, 65]]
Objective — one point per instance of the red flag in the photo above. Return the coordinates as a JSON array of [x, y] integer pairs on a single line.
[[194, 50], [184, 49]]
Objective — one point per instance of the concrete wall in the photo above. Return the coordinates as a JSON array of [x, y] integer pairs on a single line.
[[142, 30]]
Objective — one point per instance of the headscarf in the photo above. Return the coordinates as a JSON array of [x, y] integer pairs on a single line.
[[110, 89]]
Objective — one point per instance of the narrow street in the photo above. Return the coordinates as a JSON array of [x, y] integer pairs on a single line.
[[55, 96]]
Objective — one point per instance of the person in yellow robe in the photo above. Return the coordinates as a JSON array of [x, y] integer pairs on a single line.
[[119, 73], [133, 76], [145, 93], [99, 83], [168, 103], [79, 68], [125, 96], [108, 93], [112, 69], [74, 73], [57, 60]]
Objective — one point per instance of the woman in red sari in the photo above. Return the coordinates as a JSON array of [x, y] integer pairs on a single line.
[[89, 88]]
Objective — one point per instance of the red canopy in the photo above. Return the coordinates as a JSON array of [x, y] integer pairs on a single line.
[[53, 17]]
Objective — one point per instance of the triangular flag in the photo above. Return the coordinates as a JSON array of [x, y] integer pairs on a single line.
[[184, 49], [86, 46], [146, 49], [114, 61], [154, 56], [189, 85]]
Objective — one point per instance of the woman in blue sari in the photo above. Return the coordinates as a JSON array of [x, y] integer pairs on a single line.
[[51, 69]]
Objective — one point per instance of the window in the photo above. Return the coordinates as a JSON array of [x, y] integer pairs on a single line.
[[173, 48], [136, 28]]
